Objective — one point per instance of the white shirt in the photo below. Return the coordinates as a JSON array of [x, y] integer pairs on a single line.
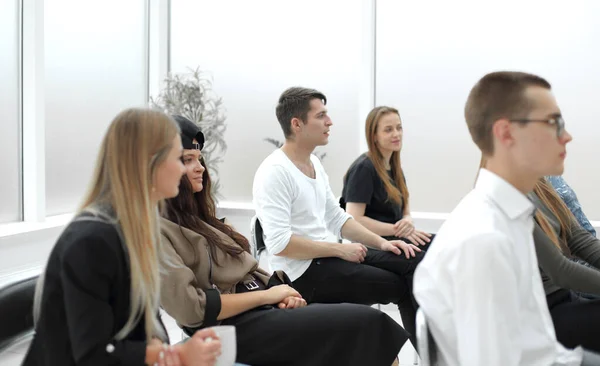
[[480, 288], [288, 202]]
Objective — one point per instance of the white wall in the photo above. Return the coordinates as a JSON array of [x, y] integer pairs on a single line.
[[429, 55], [255, 50]]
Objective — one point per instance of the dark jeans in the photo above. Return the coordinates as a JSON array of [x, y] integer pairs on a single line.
[[576, 319], [382, 278]]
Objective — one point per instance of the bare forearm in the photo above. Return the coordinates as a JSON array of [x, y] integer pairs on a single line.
[[406, 210], [354, 231], [302, 248], [378, 227], [234, 304]]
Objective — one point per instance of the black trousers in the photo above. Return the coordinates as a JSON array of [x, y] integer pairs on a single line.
[[318, 334], [576, 319], [382, 278]]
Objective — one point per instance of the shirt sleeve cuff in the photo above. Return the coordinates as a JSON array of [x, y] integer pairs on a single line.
[[212, 308], [342, 222]]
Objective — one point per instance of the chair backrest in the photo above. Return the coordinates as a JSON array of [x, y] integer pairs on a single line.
[[425, 341], [342, 202], [16, 311], [258, 242]]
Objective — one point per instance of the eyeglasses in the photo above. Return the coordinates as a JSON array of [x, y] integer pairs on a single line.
[[557, 121]]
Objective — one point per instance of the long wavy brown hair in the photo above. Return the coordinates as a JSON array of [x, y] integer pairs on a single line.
[[194, 211], [555, 204], [398, 192]]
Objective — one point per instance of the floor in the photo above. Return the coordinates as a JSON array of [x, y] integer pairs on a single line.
[[15, 354]]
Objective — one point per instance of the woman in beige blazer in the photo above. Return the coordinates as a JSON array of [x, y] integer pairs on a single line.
[[211, 278]]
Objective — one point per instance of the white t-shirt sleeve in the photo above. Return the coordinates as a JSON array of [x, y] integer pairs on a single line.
[[272, 196]]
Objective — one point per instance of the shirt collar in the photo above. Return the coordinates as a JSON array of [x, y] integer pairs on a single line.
[[505, 195]]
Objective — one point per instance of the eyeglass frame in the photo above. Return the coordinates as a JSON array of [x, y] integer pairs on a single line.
[[557, 121]]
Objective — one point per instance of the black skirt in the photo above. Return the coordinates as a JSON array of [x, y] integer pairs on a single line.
[[318, 334]]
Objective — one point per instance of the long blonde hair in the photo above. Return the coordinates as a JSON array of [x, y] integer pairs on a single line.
[[396, 193], [136, 143], [555, 204]]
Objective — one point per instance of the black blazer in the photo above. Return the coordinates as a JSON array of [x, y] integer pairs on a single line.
[[86, 302]]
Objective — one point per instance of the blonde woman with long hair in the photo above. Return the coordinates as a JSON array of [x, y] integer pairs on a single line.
[[97, 303]]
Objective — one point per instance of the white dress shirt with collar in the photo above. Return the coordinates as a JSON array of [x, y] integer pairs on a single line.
[[480, 288]]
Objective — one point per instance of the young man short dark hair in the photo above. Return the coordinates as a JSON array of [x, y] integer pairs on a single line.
[[297, 210]]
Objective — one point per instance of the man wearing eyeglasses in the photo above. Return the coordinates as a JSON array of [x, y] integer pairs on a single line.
[[479, 286]]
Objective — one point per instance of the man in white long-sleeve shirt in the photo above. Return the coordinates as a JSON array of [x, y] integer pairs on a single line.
[[479, 285], [297, 210]]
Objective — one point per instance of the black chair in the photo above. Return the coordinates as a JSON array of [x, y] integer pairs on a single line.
[[16, 312], [258, 241], [342, 203]]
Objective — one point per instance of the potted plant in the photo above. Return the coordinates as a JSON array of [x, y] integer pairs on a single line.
[[191, 95]]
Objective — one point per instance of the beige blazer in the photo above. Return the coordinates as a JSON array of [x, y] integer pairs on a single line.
[[186, 292]]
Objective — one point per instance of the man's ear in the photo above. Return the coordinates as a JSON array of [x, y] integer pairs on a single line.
[[502, 130], [296, 122]]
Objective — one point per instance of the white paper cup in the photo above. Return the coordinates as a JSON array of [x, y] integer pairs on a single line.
[[226, 334]]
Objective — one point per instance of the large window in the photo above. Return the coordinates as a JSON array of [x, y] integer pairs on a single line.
[[10, 105], [95, 55]]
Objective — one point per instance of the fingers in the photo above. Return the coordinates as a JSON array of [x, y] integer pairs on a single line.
[[294, 302], [360, 253], [210, 352], [415, 239], [170, 357], [428, 235], [361, 256], [404, 232], [212, 347], [401, 225], [423, 235], [406, 252], [407, 249], [205, 333]]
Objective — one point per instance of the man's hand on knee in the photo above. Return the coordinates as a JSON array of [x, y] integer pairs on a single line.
[[353, 252]]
